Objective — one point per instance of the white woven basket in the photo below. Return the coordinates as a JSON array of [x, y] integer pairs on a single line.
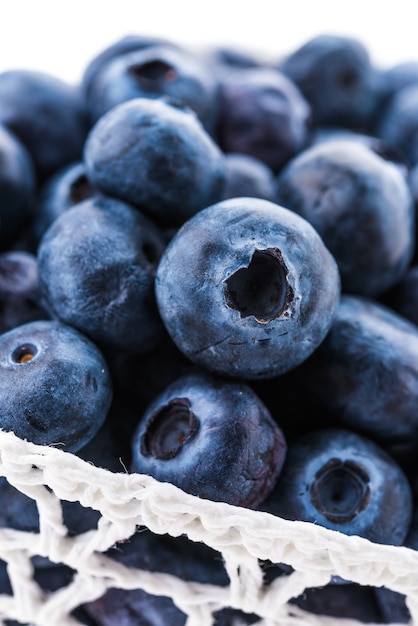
[[127, 501]]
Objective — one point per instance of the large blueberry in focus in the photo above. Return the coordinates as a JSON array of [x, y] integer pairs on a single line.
[[212, 438], [97, 265], [263, 114], [154, 72], [46, 114], [247, 288], [362, 207], [365, 372], [336, 76], [156, 156], [55, 386], [341, 480], [17, 187]]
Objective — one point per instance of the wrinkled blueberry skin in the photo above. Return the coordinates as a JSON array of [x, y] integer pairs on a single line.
[[247, 289], [155, 72], [97, 264], [213, 439], [247, 176], [61, 191], [159, 553], [362, 207], [263, 114], [365, 372], [398, 125], [55, 386], [17, 187], [156, 156], [343, 481], [47, 115], [20, 292], [337, 78]]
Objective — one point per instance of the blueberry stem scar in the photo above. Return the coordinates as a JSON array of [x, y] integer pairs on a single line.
[[169, 429], [261, 289], [340, 490]]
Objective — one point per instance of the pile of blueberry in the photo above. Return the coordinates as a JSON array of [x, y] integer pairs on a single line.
[[208, 274]]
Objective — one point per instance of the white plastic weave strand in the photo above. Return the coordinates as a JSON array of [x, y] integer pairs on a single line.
[[127, 501]]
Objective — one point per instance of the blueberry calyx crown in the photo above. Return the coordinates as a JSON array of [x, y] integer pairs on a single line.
[[169, 429], [151, 73], [24, 353], [340, 490], [261, 289], [81, 189]]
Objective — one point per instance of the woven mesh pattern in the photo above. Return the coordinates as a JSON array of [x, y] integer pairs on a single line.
[[127, 501]]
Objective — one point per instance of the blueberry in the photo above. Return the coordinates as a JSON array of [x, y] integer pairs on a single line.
[[392, 604], [398, 124], [263, 114], [341, 601], [97, 264], [177, 556], [341, 480], [55, 386], [379, 146], [392, 79], [403, 297], [20, 291], [225, 59], [69, 186], [129, 43], [154, 72], [212, 438], [157, 156], [365, 372], [180, 557], [246, 288], [17, 187], [362, 207], [336, 76], [20, 511], [46, 114], [156, 369], [5, 586], [247, 176]]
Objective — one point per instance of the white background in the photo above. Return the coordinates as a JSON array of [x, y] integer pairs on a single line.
[[60, 37]]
